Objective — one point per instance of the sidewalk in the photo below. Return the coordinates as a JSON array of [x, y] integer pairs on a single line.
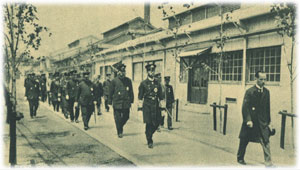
[[192, 142]]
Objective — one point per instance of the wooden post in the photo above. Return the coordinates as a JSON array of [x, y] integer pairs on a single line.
[[225, 119], [283, 118], [177, 101], [215, 115], [13, 140]]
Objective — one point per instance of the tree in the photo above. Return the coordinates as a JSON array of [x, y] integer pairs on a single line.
[[22, 33], [285, 20]]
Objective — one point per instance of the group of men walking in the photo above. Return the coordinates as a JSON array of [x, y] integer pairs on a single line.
[[71, 91]]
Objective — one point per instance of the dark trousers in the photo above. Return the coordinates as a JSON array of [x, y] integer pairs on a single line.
[[266, 149], [150, 129], [55, 105], [77, 109], [99, 107], [33, 106], [106, 103], [86, 112], [49, 98], [121, 116], [169, 116], [44, 96], [71, 108]]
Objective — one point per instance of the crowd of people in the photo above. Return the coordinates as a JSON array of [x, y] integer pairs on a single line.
[[72, 93]]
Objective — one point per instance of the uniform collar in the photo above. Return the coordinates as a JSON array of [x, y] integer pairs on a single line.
[[151, 79], [259, 88]]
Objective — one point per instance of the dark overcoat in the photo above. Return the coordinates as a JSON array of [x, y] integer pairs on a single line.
[[151, 93], [86, 94], [32, 91], [55, 90], [121, 93], [106, 85], [72, 89], [98, 92], [256, 108]]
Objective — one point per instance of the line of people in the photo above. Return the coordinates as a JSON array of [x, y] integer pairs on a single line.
[[75, 91]]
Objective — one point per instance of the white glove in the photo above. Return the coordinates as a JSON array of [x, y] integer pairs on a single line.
[[67, 97], [162, 104], [58, 94], [76, 104], [40, 98], [58, 99], [95, 102], [250, 124]]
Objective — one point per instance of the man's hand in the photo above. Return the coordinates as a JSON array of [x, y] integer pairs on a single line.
[[40, 98], [250, 124], [140, 104], [95, 102], [67, 97], [58, 99], [75, 104]]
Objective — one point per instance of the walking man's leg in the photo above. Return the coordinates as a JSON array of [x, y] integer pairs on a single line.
[[242, 150], [267, 152]]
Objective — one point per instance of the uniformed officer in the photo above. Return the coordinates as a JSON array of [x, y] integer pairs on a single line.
[[150, 95], [32, 94], [50, 77], [71, 93], [78, 79], [86, 99], [169, 97], [55, 92], [98, 93], [106, 85], [64, 102], [120, 97], [43, 87]]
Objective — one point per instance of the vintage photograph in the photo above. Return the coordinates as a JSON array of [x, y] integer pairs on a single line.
[[149, 84]]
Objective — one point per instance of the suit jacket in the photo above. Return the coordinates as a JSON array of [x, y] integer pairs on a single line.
[[256, 108], [98, 91], [55, 90], [121, 93], [86, 93], [71, 89]]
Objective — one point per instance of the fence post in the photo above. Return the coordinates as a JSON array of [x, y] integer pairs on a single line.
[[215, 115], [225, 119], [283, 118], [177, 101]]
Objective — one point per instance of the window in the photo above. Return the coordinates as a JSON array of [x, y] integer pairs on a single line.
[[264, 59], [137, 71], [231, 66], [183, 70]]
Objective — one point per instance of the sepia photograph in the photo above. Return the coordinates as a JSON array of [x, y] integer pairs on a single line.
[[138, 84]]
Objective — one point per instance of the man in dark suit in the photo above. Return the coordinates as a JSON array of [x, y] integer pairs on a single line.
[[55, 91], [98, 93], [169, 97], [77, 80], [106, 85], [150, 95], [32, 94], [256, 119], [120, 97], [86, 98], [43, 87], [71, 91]]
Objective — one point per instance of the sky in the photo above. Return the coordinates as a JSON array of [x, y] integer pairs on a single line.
[[69, 22]]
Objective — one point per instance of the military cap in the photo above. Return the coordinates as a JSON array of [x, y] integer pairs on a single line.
[[158, 75], [86, 72], [66, 74], [33, 74], [150, 66], [119, 66], [43, 74], [167, 77]]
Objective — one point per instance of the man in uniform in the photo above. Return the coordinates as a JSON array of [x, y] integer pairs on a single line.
[[121, 97], [64, 102], [98, 93], [43, 87], [169, 97], [106, 86], [256, 119], [50, 77], [32, 94], [86, 98], [150, 95], [55, 92], [77, 108], [71, 91]]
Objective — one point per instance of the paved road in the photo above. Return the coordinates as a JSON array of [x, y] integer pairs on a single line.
[[48, 140]]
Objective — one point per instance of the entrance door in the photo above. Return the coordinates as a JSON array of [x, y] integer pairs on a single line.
[[198, 85]]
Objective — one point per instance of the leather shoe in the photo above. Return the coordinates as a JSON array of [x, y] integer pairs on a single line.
[[170, 128], [86, 128], [242, 162], [120, 135], [150, 145]]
